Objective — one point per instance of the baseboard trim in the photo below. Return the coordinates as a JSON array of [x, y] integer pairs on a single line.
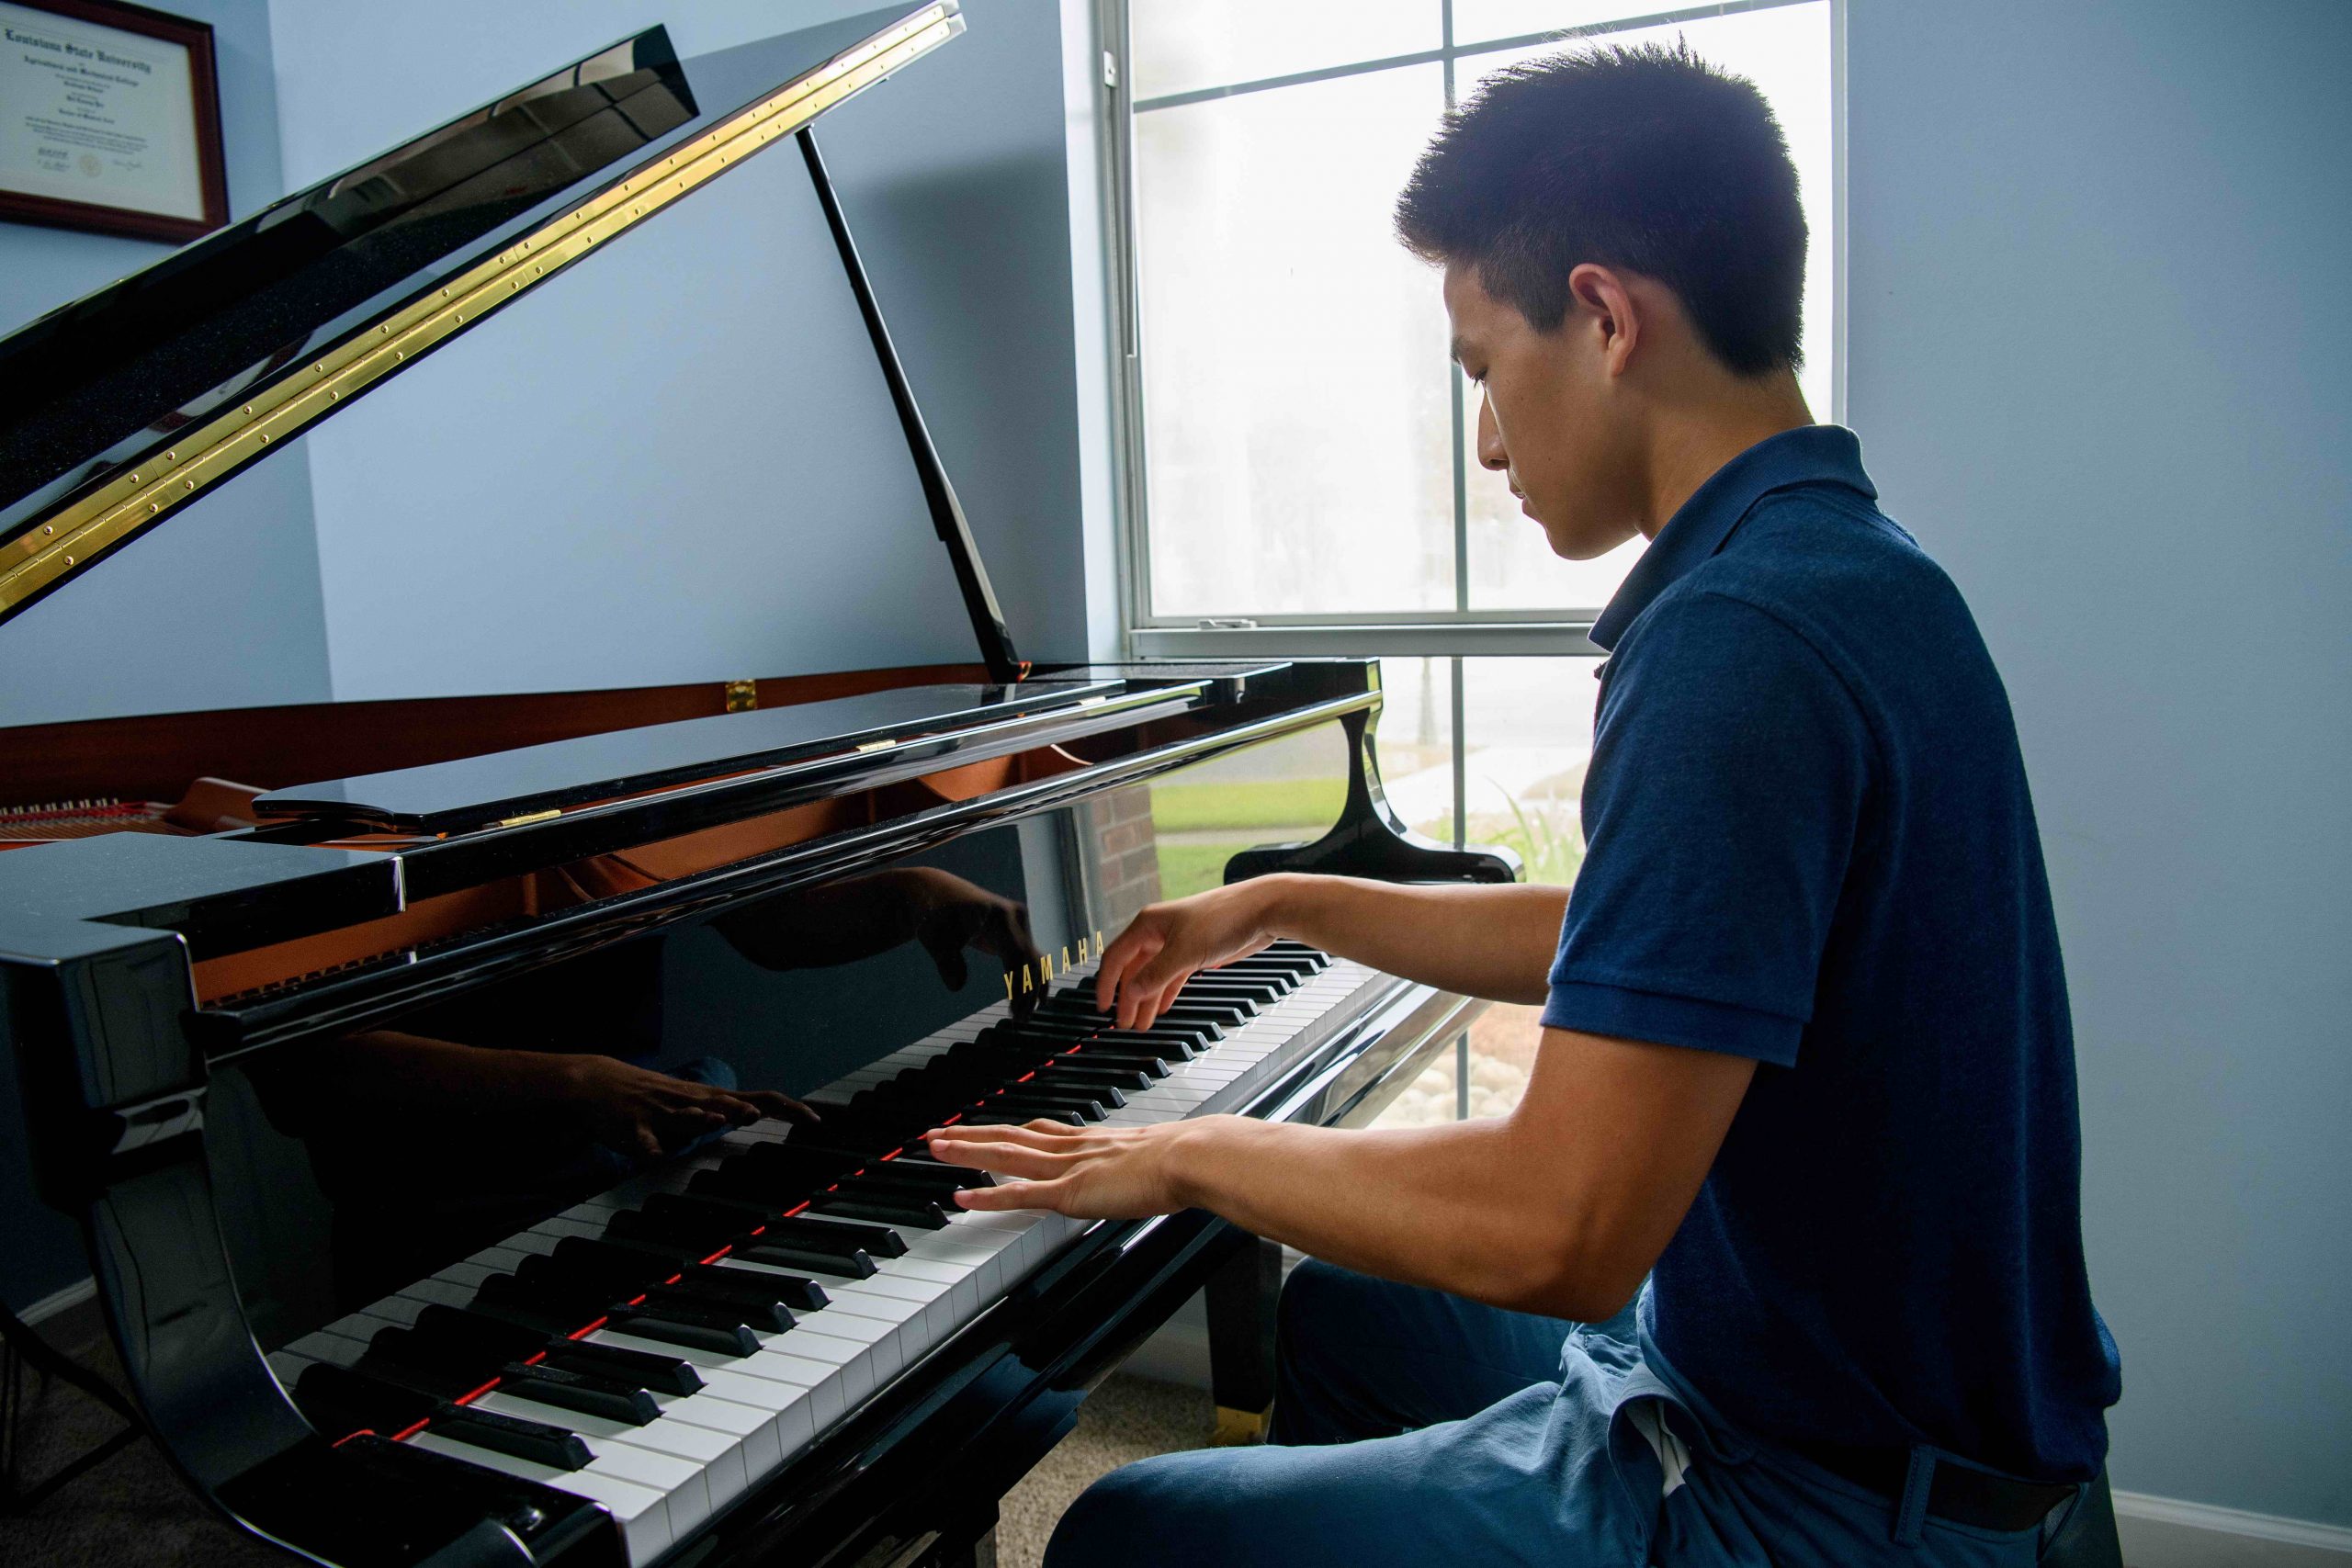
[[57, 1302], [69, 1319], [2163, 1532]]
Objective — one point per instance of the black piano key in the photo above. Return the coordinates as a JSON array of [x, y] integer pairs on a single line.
[[339, 1402], [1274, 966], [1048, 1106], [730, 1287], [673, 1255], [476, 1333], [854, 1265], [692, 1327], [682, 1222], [1150, 1066], [794, 1159], [533, 1440], [794, 1291], [522, 1308], [741, 1183], [584, 1392], [441, 1369], [1230, 1015], [1001, 1118], [1048, 1031], [836, 1236], [640, 1368], [547, 1292], [1123, 1079], [904, 1210], [768, 1316], [624, 1270], [1053, 1086], [919, 1176], [1255, 994], [719, 1211], [1221, 1011], [1193, 1035], [422, 1373]]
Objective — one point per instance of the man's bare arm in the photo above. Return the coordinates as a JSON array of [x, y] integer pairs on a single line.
[[1559, 1208], [1490, 941]]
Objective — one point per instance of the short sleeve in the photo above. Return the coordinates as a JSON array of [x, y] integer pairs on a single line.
[[1721, 810]]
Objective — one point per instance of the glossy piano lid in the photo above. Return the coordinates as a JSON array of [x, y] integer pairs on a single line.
[[120, 407], [475, 791]]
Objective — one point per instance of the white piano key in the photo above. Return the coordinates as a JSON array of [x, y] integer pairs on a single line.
[[680, 1482], [365, 1326], [439, 1292], [399, 1310], [502, 1259], [325, 1346], [642, 1512], [718, 1456], [791, 1407], [760, 1430]]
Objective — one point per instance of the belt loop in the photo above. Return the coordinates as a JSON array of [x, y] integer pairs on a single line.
[[1911, 1512]]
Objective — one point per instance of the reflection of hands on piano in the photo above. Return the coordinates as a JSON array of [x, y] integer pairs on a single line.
[[385, 1075], [849, 921], [638, 1111]]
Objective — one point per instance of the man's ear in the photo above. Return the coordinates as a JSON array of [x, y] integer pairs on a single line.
[[1608, 310]]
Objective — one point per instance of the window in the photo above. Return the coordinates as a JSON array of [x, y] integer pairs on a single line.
[[1297, 475], [1297, 437]]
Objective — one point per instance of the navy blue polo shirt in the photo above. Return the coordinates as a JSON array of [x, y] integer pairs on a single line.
[[1810, 844]]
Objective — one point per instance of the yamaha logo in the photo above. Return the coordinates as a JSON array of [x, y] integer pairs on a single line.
[[1034, 976]]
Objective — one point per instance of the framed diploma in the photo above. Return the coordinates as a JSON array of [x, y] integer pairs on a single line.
[[109, 119]]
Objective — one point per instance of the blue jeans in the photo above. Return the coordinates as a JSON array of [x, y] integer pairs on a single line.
[[1412, 1426]]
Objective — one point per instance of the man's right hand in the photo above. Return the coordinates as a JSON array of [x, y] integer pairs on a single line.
[[1164, 946]]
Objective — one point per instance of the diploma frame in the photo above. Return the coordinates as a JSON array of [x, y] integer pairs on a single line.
[[203, 129]]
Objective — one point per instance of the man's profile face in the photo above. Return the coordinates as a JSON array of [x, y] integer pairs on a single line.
[[1545, 419]]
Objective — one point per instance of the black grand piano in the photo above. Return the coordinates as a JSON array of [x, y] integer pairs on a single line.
[[342, 1028]]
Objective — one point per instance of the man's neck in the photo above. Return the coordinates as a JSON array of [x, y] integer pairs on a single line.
[[1694, 440]]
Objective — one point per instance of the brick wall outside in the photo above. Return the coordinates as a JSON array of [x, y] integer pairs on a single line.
[[1126, 852]]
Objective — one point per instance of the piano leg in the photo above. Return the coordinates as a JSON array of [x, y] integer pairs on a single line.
[[951, 1549], [1241, 1296]]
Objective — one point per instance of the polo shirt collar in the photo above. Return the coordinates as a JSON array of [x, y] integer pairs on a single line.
[[1811, 454]]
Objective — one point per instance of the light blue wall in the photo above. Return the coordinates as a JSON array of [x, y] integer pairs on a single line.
[[2101, 363], [954, 176], [221, 608]]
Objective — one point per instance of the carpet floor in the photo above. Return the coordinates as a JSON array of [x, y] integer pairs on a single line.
[[132, 1509]]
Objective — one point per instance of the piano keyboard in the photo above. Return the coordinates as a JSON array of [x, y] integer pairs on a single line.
[[662, 1349]]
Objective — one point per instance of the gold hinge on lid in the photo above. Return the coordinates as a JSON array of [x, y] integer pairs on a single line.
[[743, 696], [548, 815]]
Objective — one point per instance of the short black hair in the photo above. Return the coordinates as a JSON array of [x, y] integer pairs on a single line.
[[1644, 158]]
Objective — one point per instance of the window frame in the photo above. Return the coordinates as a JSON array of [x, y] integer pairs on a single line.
[[1458, 633]]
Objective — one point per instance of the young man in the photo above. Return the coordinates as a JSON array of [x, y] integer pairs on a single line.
[[1807, 1065]]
